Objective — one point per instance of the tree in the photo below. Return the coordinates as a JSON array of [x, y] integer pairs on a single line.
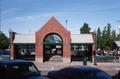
[[98, 38], [118, 37], [4, 41], [85, 29], [114, 35], [108, 36], [103, 38]]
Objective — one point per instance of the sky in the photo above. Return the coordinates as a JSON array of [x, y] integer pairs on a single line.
[[27, 16]]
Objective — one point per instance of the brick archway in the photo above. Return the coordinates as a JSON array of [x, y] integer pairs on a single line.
[[52, 46], [52, 26]]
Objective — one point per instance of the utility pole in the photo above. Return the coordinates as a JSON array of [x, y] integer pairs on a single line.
[[119, 35], [0, 17]]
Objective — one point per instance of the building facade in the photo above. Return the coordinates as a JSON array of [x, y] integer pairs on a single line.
[[52, 42]]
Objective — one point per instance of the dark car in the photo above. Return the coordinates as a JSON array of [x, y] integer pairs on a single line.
[[79, 72], [19, 69], [5, 54]]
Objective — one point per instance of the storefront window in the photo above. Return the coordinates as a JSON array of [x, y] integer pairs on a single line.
[[24, 51]]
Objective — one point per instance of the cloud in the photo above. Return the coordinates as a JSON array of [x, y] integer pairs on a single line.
[[9, 11], [38, 16]]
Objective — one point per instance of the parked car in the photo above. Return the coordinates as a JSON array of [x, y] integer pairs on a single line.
[[5, 54], [19, 69], [79, 72]]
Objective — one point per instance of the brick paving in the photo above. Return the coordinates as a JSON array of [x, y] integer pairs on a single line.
[[109, 67]]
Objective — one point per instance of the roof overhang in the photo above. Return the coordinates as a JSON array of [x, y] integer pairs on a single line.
[[75, 39], [24, 39], [117, 43], [82, 38]]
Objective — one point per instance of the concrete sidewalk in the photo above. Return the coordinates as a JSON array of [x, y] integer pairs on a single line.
[[109, 67]]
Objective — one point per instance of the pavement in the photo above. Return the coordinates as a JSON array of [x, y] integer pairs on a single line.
[[109, 67]]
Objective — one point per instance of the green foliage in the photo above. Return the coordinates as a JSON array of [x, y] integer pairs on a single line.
[[99, 37], [85, 29], [106, 38], [4, 41], [114, 35], [118, 37], [103, 38]]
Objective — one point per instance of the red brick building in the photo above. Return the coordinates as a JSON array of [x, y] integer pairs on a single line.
[[52, 42]]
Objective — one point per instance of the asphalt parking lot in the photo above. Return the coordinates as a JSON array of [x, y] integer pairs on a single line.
[[109, 67]]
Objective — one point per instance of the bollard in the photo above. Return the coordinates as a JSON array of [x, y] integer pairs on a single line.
[[85, 61]]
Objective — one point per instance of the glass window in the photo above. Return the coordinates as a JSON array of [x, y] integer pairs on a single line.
[[26, 50], [22, 68], [53, 38]]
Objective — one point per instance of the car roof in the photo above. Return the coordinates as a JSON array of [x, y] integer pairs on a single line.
[[85, 68], [15, 62]]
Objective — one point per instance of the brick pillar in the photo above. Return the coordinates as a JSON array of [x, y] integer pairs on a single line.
[[38, 48], [12, 51], [67, 49], [94, 46], [12, 36]]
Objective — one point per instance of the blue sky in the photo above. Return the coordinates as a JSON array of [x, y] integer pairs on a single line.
[[27, 16]]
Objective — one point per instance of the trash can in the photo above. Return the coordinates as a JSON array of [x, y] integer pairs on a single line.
[[85, 61]]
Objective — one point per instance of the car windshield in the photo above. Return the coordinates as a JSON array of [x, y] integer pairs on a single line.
[[21, 69]]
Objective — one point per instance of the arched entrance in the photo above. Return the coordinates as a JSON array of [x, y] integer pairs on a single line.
[[52, 46], [59, 46]]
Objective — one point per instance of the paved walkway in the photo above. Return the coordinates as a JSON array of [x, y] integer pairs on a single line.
[[109, 67]]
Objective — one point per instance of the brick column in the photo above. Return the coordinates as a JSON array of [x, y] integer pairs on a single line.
[[94, 46], [67, 49], [12, 52], [12, 36], [38, 48]]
